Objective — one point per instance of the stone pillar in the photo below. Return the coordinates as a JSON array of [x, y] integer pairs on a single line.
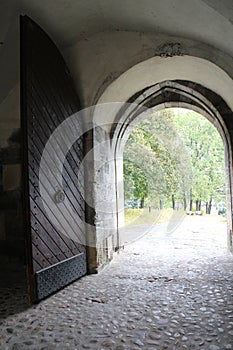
[[105, 197], [120, 197], [100, 196]]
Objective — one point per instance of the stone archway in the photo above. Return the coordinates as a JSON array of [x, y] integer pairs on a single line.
[[158, 83], [164, 95]]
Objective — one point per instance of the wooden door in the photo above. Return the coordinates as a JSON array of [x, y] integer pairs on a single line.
[[48, 97]]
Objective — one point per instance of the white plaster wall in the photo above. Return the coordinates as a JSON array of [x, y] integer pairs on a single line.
[[159, 69], [99, 60]]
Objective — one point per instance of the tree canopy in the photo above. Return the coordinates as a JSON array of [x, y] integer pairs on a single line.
[[176, 155]]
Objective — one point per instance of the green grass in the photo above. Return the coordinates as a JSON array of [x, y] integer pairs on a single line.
[[143, 216]]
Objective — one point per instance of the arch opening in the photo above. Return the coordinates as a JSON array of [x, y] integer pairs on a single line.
[[149, 86], [170, 94], [174, 180]]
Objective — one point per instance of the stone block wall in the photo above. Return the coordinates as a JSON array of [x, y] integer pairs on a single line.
[[104, 197]]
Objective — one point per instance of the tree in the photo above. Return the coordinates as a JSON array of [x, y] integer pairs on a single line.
[[206, 151], [153, 147], [174, 156]]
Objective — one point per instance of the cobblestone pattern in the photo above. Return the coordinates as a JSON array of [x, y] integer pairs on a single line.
[[162, 292]]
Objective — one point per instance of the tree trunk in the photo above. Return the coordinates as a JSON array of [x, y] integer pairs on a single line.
[[191, 200], [160, 204], [197, 205], [142, 203], [185, 204], [210, 205], [173, 202]]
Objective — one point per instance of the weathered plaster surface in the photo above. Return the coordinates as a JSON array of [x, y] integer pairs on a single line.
[[98, 62]]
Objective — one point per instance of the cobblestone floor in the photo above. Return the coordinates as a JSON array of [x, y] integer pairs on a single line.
[[165, 291]]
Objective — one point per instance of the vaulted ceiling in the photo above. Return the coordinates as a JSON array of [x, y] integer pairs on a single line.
[[68, 21]]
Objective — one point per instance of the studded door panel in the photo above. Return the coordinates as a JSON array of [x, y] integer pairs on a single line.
[[48, 98]]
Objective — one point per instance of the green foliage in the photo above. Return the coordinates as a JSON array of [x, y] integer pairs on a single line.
[[174, 152], [206, 150], [136, 184]]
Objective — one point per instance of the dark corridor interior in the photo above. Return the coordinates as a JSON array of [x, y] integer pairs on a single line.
[[12, 237]]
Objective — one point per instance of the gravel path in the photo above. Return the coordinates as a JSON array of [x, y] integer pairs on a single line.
[[166, 291]]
